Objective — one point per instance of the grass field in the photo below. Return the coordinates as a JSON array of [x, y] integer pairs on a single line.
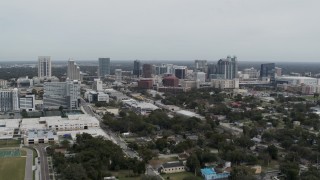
[[12, 168], [9, 143], [179, 176]]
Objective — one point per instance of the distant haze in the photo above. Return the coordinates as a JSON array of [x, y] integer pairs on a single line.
[[269, 30]]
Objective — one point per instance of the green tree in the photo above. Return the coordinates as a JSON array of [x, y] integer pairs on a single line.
[[273, 151], [242, 173], [290, 169]]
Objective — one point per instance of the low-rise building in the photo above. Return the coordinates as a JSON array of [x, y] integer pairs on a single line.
[[9, 128], [139, 107], [211, 174], [172, 167], [225, 83], [40, 137]]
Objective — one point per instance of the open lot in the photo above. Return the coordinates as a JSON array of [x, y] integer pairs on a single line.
[[12, 168]]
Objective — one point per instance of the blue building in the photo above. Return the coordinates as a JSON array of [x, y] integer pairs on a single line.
[[211, 174]]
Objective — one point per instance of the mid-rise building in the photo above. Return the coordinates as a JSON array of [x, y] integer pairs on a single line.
[[162, 69], [252, 72], [267, 71], [73, 72], [145, 83], [278, 71], [3, 83], [225, 83], [104, 67], [93, 96], [212, 69], [24, 82], [27, 102], [65, 94], [228, 67], [137, 68], [118, 74], [9, 100], [44, 66], [200, 76], [170, 81], [147, 71]]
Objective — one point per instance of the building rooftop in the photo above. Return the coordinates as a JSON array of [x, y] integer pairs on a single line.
[[32, 134], [172, 164]]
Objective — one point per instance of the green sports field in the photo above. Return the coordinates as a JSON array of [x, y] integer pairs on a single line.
[[12, 168]]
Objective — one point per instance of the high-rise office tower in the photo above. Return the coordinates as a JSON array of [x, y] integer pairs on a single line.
[[44, 66], [9, 100], [65, 94], [104, 67], [73, 71], [228, 67], [136, 68], [147, 71], [212, 69], [267, 71], [118, 74], [180, 72], [201, 66]]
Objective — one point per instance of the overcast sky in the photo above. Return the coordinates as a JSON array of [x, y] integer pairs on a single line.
[[254, 30]]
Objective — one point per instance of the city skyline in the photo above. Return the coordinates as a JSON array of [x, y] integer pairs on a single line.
[[255, 31]]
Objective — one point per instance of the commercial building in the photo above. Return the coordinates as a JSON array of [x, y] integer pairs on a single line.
[[170, 81], [9, 128], [180, 71], [93, 96], [225, 83], [40, 137], [118, 74], [251, 72], [145, 83], [297, 80], [278, 71], [3, 83], [212, 69], [137, 68], [139, 107], [147, 71], [24, 82], [228, 67], [267, 71], [73, 72], [65, 94], [9, 100], [201, 66], [97, 85], [44, 66], [27, 102], [159, 70], [104, 67], [200, 76]]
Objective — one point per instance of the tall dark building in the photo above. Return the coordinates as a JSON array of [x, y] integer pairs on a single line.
[[180, 72], [268, 71], [228, 67], [137, 68], [212, 69], [104, 67], [147, 71]]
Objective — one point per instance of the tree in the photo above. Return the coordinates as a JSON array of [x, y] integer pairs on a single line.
[[24, 113], [193, 163], [242, 173], [65, 143], [273, 151], [290, 169]]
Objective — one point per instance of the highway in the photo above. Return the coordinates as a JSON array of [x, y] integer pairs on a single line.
[[43, 162]]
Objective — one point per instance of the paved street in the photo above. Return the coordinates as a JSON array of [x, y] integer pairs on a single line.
[[29, 163], [113, 136], [43, 162]]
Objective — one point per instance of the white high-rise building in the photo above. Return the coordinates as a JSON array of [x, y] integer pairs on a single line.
[[65, 94], [97, 85], [118, 73], [73, 72], [9, 100], [44, 66]]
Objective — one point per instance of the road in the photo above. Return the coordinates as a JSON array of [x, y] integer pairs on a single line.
[[113, 136], [44, 175], [151, 172], [29, 163]]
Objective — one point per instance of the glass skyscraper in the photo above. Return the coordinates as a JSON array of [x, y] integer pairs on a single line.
[[104, 66]]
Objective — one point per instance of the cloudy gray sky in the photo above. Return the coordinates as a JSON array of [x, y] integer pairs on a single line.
[[255, 30]]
